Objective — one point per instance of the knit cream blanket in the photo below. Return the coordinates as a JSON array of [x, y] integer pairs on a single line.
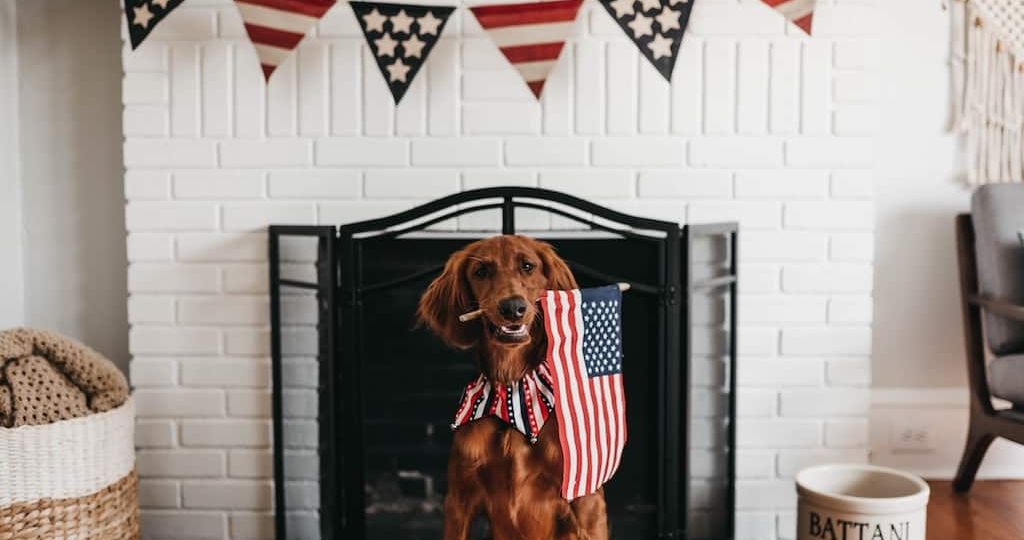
[[46, 377]]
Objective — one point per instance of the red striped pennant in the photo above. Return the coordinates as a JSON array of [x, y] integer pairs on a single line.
[[800, 12], [277, 26], [531, 35]]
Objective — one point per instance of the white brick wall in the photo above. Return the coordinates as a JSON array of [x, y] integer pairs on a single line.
[[760, 125]]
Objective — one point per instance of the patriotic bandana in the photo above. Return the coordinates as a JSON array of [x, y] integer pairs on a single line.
[[524, 404]]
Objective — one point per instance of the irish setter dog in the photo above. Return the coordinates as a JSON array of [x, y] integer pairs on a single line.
[[493, 469]]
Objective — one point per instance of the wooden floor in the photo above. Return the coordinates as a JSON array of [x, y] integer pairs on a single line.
[[991, 511]]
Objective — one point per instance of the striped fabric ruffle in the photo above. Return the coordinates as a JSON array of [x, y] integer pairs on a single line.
[[524, 404]]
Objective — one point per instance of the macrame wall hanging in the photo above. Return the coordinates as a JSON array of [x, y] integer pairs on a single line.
[[988, 78]]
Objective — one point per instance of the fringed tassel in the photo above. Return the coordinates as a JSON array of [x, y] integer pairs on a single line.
[[988, 80]]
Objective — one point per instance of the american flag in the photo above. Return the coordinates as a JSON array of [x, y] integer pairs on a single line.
[[531, 35], [585, 356], [277, 26], [801, 12]]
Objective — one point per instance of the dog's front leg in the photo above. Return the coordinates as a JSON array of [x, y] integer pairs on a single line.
[[463, 501], [592, 515], [458, 516]]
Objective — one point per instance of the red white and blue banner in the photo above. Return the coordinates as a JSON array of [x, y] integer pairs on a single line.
[[584, 330], [531, 35]]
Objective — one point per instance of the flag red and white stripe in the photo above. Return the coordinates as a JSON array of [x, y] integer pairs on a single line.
[[277, 26], [589, 398], [531, 35], [800, 12]]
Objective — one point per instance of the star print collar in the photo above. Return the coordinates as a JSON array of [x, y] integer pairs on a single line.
[[524, 404]]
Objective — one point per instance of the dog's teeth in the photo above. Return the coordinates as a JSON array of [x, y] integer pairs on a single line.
[[516, 329]]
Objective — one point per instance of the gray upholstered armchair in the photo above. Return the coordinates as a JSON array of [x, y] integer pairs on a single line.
[[992, 289]]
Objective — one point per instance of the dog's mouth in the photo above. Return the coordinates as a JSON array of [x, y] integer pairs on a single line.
[[509, 333]]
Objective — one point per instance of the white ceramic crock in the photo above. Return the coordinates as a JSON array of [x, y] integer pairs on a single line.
[[860, 502]]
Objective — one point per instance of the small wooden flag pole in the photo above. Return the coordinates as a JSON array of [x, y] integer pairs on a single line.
[[475, 314]]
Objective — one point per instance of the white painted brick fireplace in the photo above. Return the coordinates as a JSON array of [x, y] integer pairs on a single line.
[[761, 125]]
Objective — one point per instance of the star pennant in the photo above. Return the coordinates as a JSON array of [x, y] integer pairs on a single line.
[[799, 12], [655, 26], [277, 26], [144, 15], [531, 35], [400, 37]]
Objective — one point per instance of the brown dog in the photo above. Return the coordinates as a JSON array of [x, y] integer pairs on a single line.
[[494, 469]]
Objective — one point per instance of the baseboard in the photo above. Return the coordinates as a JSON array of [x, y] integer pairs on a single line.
[[922, 430]]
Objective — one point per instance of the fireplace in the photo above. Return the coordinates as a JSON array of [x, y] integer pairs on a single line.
[[362, 399]]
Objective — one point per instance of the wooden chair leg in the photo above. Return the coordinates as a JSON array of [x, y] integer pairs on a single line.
[[974, 452]]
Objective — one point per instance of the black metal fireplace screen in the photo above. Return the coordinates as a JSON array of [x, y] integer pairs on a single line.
[[362, 399]]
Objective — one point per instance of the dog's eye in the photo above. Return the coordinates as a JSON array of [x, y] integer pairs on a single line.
[[527, 266], [482, 271]]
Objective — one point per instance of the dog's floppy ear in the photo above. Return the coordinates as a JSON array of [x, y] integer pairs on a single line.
[[559, 276], [447, 297]]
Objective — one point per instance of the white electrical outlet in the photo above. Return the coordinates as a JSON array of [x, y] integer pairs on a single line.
[[912, 434]]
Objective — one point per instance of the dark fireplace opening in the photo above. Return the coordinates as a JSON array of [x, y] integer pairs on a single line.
[[386, 390]]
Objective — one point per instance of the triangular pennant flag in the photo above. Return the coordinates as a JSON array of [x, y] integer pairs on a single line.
[[655, 26], [531, 35], [799, 12], [400, 37], [276, 27], [144, 15]]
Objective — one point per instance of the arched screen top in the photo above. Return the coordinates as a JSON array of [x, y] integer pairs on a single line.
[[591, 216]]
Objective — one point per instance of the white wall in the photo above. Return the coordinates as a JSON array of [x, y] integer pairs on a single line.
[[12, 301], [69, 142], [760, 125], [918, 337], [918, 355]]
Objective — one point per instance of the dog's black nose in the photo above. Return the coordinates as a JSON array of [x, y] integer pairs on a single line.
[[513, 309]]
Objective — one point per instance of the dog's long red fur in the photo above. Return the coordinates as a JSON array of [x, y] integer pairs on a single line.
[[493, 470]]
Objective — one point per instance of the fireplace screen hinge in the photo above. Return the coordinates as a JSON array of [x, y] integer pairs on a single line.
[[670, 295]]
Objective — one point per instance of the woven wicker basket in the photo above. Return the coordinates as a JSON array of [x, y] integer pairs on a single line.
[[70, 479]]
